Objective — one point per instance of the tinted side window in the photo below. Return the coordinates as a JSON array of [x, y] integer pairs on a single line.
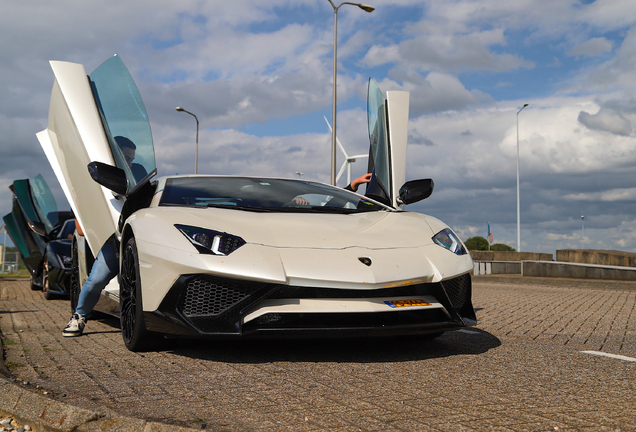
[[125, 120]]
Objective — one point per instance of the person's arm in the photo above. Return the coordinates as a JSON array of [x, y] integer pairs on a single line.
[[353, 186]]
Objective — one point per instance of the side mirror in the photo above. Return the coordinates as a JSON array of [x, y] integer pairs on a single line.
[[38, 228], [416, 190], [110, 177]]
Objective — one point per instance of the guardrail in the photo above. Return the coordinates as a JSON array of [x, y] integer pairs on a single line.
[[555, 269]]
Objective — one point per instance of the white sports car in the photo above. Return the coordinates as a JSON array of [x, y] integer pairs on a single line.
[[229, 256]]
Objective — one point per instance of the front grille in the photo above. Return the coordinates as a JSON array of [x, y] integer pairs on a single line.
[[458, 290], [208, 296]]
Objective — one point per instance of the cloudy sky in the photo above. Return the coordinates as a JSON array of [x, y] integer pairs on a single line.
[[258, 74]]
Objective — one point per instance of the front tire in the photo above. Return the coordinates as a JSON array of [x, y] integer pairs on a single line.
[[133, 327]]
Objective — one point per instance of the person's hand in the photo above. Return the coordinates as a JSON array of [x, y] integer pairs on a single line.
[[300, 201], [362, 179]]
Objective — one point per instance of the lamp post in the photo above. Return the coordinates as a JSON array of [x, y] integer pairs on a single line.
[[582, 230], [196, 154], [518, 204], [366, 8]]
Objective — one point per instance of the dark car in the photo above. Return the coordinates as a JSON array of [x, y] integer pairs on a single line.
[[42, 234]]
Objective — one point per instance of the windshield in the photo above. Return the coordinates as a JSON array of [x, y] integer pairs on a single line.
[[125, 120], [263, 194]]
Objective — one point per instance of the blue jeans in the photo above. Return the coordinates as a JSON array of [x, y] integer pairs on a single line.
[[105, 268]]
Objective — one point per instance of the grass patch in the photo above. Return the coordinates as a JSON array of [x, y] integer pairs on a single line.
[[204, 397], [12, 365], [40, 372], [199, 420], [7, 342]]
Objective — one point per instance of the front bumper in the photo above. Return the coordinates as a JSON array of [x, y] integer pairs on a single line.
[[207, 306]]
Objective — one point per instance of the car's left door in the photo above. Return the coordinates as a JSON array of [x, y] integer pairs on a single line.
[[89, 117]]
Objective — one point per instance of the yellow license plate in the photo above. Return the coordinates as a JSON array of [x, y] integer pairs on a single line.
[[406, 303]]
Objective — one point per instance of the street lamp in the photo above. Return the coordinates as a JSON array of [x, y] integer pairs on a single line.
[[582, 230], [196, 154], [518, 205], [366, 8]]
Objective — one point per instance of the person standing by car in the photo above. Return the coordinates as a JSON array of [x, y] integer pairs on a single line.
[[106, 266]]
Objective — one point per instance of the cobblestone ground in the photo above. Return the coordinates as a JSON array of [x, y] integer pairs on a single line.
[[582, 318], [521, 369]]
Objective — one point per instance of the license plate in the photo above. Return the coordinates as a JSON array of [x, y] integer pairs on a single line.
[[406, 303]]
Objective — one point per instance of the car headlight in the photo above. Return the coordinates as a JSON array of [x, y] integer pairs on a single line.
[[210, 241], [448, 240]]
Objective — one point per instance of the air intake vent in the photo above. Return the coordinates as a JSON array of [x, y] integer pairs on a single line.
[[208, 297], [458, 290]]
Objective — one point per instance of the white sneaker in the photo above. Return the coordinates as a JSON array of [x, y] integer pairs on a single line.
[[75, 326]]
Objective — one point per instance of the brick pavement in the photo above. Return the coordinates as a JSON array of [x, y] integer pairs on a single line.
[[520, 369], [585, 318]]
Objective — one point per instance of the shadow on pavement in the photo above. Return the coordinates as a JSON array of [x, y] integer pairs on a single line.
[[17, 311], [471, 341], [372, 350]]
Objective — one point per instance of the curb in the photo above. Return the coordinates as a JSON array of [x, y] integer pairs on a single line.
[[44, 414]]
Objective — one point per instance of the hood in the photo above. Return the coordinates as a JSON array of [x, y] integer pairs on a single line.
[[373, 230]]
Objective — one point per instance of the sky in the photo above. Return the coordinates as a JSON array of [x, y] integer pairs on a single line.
[[259, 76]]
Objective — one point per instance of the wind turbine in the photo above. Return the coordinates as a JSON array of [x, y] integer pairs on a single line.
[[348, 159]]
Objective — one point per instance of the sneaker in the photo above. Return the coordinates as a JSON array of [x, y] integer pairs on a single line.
[[75, 326]]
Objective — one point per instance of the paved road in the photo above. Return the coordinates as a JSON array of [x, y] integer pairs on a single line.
[[521, 369]]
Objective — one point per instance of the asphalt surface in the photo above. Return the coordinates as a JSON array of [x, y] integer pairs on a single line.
[[525, 367]]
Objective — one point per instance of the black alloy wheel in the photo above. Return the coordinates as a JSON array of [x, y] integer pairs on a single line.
[[74, 288], [133, 328]]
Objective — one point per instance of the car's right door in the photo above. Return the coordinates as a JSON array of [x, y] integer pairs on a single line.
[[388, 131]]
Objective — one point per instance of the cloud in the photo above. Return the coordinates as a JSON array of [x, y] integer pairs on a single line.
[[607, 120], [618, 71], [415, 138], [591, 48], [626, 194], [448, 53], [433, 92]]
